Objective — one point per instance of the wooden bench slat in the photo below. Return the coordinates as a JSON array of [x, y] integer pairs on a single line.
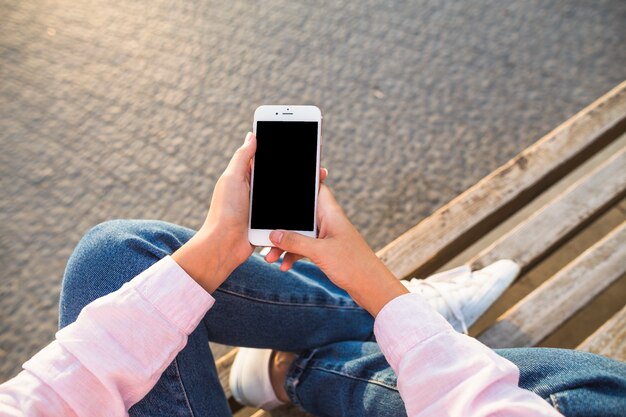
[[583, 201], [223, 365], [552, 303], [452, 228], [610, 339]]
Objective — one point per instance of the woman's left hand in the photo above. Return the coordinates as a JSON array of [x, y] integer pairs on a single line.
[[221, 244]]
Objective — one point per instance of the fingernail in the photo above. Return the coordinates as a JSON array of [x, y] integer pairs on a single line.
[[326, 169], [276, 236], [248, 137]]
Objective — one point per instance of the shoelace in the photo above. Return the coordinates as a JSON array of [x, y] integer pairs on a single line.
[[456, 312]]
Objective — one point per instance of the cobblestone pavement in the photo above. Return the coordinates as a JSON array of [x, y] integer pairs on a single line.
[[131, 109]]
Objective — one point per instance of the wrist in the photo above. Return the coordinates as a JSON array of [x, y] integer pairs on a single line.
[[376, 287], [204, 260]]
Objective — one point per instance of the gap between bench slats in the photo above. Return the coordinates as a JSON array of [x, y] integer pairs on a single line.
[[558, 220], [610, 339], [449, 230], [557, 299]]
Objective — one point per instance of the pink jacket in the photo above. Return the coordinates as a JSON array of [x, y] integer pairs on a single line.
[[115, 352]]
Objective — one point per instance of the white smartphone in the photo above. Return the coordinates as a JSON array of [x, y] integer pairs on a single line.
[[285, 171]]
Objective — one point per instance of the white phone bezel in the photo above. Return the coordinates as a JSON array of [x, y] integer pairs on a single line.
[[285, 113]]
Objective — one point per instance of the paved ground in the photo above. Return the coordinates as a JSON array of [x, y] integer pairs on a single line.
[[131, 109]]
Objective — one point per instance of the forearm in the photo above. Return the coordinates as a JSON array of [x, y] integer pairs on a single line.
[[376, 287], [116, 350], [442, 372], [203, 259]]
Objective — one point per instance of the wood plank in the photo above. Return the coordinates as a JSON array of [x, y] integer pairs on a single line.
[[558, 220], [219, 350], [610, 339], [223, 365], [553, 302], [248, 412], [285, 411], [436, 239]]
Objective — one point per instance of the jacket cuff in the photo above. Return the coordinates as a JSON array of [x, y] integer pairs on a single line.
[[174, 294], [405, 322]]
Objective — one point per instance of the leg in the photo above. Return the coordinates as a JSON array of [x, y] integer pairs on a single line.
[[350, 379], [575, 383], [260, 306], [108, 256], [257, 306], [353, 379]]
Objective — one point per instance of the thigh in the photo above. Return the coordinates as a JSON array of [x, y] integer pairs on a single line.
[[261, 306], [576, 383], [190, 386], [257, 306], [353, 378]]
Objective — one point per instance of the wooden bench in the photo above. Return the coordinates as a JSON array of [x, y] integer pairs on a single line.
[[559, 210]]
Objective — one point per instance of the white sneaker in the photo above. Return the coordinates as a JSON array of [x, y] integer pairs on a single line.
[[462, 296], [249, 379]]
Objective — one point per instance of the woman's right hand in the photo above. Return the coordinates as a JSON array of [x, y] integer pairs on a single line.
[[342, 254]]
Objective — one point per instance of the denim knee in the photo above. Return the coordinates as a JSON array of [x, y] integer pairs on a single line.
[[103, 246], [110, 254], [83, 281]]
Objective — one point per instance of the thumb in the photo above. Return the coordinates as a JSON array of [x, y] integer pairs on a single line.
[[295, 243], [240, 162]]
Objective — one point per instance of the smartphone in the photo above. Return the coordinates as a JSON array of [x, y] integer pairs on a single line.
[[285, 171]]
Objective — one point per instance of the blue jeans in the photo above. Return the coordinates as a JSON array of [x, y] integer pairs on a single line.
[[340, 370]]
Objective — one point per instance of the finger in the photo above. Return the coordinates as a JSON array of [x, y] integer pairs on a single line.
[[323, 174], [329, 212], [288, 261], [326, 199], [240, 162], [273, 255], [295, 243]]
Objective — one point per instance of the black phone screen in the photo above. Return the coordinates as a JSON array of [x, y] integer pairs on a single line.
[[285, 165]]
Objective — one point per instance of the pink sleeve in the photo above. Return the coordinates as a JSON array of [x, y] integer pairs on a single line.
[[115, 352], [441, 372]]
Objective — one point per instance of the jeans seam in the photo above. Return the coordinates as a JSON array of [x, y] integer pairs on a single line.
[[182, 387], [369, 381], [265, 301], [293, 380]]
